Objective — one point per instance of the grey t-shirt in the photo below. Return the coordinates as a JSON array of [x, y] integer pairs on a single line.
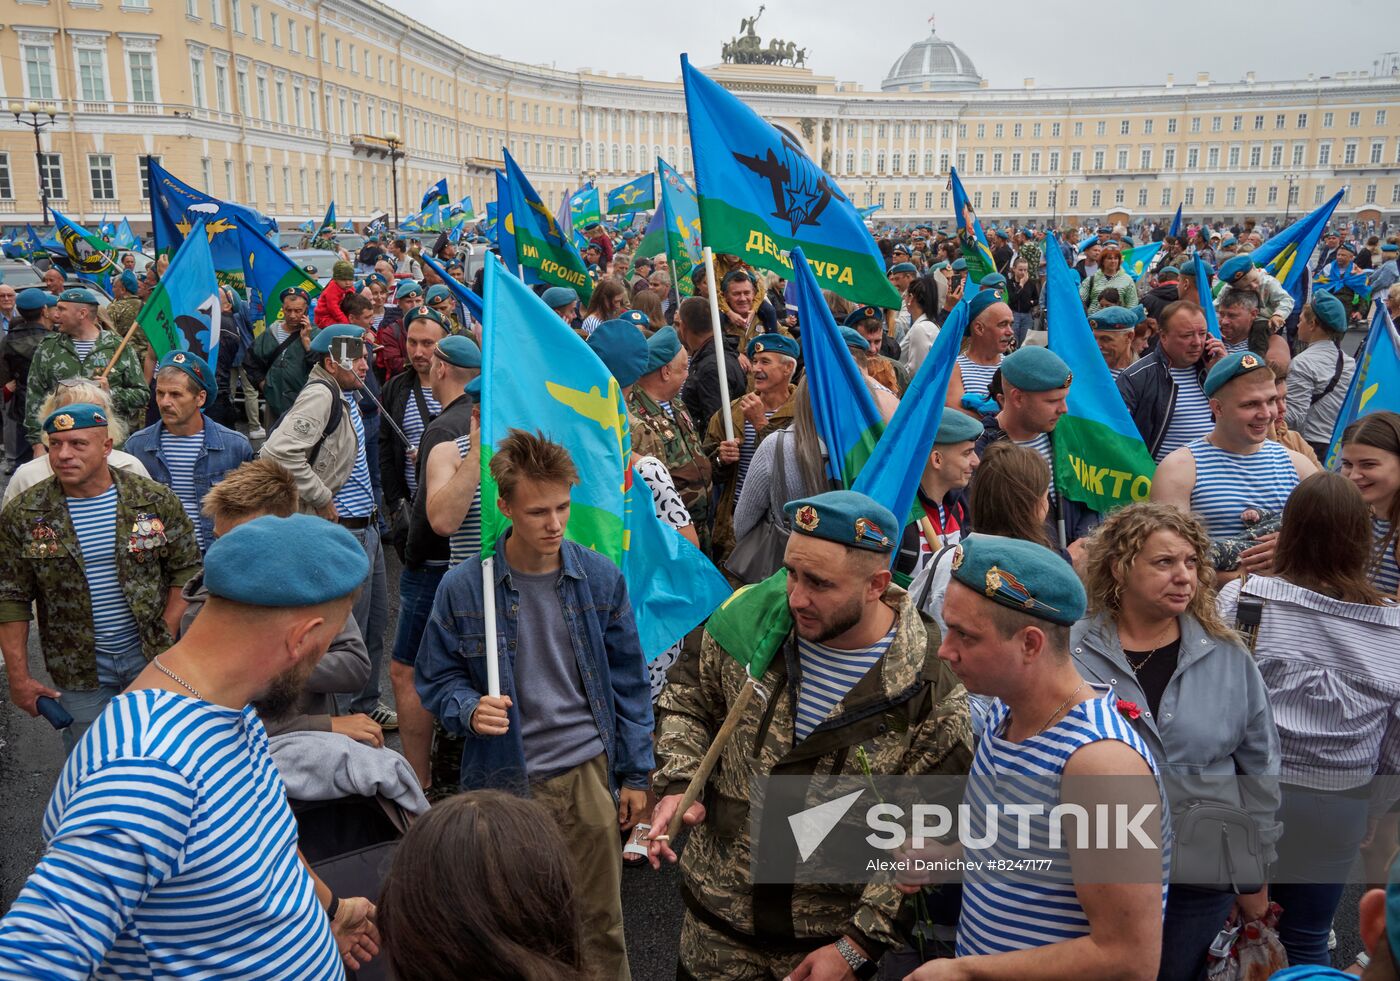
[[556, 722]]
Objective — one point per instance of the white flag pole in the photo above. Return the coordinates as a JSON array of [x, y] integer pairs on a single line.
[[720, 365]]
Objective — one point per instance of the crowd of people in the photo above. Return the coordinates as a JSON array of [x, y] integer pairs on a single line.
[[206, 550]]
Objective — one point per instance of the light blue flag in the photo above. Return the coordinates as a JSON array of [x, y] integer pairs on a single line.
[[1137, 260], [584, 207], [125, 237], [307, 226], [1285, 256], [1376, 385], [182, 313], [869, 210], [466, 208], [681, 213], [1204, 296], [843, 409], [624, 222], [504, 228], [459, 290], [267, 272], [1175, 230], [327, 223], [892, 474], [638, 194], [435, 195]]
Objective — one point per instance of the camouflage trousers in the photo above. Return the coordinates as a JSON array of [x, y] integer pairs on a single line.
[[706, 954]]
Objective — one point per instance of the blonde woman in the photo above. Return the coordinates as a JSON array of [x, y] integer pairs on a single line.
[[72, 392], [1189, 688]]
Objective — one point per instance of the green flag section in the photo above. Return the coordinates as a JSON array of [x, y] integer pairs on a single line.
[[538, 375], [267, 271], [584, 208], [761, 196], [182, 312], [89, 253], [653, 241], [539, 243], [753, 623], [974, 244], [684, 249], [1100, 459]]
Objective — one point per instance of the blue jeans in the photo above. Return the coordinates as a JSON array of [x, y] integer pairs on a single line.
[[114, 673], [371, 613], [1194, 916], [417, 587], [1021, 323], [1322, 835]]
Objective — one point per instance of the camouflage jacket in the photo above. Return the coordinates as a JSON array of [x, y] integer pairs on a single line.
[[727, 474], [41, 561], [676, 443], [56, 359], [908, 713], [122, 314]]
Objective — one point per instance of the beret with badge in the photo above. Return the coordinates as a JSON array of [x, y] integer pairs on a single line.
[[992, 281], [294, 293], [425, 313], [194, 366], [459, 351], [559, 296], [1235, 268], [79, 415], [407, 289], [774, 344], [846, 517], [904, 267], [1021, 576], [438, 292], [312, 560], [78, 294], [1117, 318], [859, 314], [982, 300], [636, 318], [1035, 369], [622, 349], [1230, 367], [321, 343]]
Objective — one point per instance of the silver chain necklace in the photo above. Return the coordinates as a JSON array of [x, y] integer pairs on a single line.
[[176, 678]]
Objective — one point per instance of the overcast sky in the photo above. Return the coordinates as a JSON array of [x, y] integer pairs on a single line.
[[1008, 40]]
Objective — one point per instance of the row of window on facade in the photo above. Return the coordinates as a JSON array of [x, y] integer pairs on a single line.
[[1125, 126]]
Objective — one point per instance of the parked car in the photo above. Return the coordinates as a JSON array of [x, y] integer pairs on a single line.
[[317, 262], [19, 274]]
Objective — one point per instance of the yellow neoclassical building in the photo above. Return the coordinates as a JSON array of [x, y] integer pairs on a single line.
[[289, 104]]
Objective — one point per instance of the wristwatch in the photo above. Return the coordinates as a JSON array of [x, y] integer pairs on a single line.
[[859, 964]]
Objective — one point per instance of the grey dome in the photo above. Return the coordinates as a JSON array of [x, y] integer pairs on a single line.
[[931, 64]]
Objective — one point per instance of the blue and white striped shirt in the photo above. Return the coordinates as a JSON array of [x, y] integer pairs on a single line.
[[356, 498], [466, 540], [976, 377], [1004, 911], [747, 445], [1041, 443], [180, 454], [84, 349], [95, 522], [1238, 346], [1191, 415], [171, 853], [413, 424], [1386, 574], [1228, 483], [828, 674]]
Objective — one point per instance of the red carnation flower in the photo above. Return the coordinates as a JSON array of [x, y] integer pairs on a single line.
[[1130, 709]]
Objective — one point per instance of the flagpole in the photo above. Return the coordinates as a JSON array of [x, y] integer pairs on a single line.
[[120, 348], [711, 757], [725, 414]]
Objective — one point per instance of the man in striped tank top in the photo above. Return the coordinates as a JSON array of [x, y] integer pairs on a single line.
[[1235, 467], [170, 819], [1051, 739], [990, 331]]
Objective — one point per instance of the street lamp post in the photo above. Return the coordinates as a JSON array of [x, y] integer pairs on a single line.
[[33, 112], [395, 154], [1055, 183], [1288, 202]]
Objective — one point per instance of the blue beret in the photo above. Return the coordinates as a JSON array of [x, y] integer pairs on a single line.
[[622, 349], [473, 388], [1230, 367], [79, 415], [1235, 268], [982, 300], [35, 299], [311, 560], [940, 264], [957, 427], [636, 318], [1105, 230], [424, 313], [438, 292], [1390, 247], [321, 343], [459, 351], [128, 281], [1021, 575], [78, 294], [992, 281], [900, 247], [629, 235], [1035, 369], [456, 263], [1189, 269], [662, 348], [1117, 318], [959, 264], [406, 289], [774, 344], [1168, 272], [1344, 244], [375, 277], [853, 338], [294, 292], [1330, 312], [194, 366], [860, 314], [846, 517], [559, 296], [904, 267], [1229, 243]]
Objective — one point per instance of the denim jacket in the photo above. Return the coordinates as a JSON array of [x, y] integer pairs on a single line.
[[450, 671], [1214, 723], [224, 449]]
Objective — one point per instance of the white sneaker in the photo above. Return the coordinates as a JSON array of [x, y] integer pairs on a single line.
[[259, 433]]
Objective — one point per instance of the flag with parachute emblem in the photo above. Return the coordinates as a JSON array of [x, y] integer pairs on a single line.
[[974, 243], [435, 195], [539, 243], [268, 271], [1285, 255], [684, 249], [1137, 260], [760, 196], [1100, 458], [327, 226], [182, 312], [584, 209], [175, 206], [638, 194], [87, 252]]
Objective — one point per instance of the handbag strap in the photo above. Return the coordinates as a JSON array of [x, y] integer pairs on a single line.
[[928, 584], [1336, 377], [777, 486]]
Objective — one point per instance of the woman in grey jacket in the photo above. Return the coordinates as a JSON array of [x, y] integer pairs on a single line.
[[1192, 692]]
